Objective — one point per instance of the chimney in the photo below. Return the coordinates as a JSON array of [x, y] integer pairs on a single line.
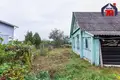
[[114, 4]]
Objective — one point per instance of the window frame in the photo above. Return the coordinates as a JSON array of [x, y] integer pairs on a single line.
[[78, 42]]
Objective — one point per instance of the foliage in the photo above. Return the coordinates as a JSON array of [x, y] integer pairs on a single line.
[[78, 69], [36, 40], [15, 60], [12, 71], [66, 46], [66, 39], [14, 42], [29, 37], [42, 75], [63, 64], [1, 40], [57, 36], [43, 50]]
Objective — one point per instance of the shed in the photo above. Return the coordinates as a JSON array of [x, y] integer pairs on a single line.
[[7, 31], [96, 38]]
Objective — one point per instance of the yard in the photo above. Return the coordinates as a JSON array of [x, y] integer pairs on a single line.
[[18, 62], [63, 64]]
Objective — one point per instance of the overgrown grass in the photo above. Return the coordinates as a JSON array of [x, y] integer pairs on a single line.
[[78, 69], [63, 64]]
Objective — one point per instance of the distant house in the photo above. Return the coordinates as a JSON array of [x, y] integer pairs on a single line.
[[6, 31], [96, 38]]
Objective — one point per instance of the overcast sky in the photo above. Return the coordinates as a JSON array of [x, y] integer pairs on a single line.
[[44, 15]]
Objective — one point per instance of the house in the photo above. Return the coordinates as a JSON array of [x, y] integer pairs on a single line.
[[6, 31], [96, 38]]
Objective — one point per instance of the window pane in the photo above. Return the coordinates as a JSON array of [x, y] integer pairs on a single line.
[[86, 43], [73, 42], [77, 41]]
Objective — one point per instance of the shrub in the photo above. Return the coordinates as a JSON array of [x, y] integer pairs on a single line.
[[42, 75], [36, 40]]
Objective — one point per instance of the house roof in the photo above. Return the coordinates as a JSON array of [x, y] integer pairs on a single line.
[[6, 23], [97, 24]]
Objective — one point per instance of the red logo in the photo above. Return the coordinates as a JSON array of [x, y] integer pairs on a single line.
[[109, 10]]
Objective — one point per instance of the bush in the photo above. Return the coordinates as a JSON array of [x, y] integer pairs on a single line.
[[42, 75], [36, 40], [66, 46], [43, 50]]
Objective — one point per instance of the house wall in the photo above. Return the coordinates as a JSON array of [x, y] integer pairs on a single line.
[[75, 44], [5, 38], [6, 32], [92, 52], [87, 52], [96, 51], [82, 51]]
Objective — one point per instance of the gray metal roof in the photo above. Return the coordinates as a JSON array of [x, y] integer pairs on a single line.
[[97, 24]]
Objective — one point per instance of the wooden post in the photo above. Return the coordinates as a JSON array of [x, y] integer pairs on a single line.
[[101, 59]]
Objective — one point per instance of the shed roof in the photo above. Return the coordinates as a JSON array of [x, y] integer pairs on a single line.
[[97, 24]]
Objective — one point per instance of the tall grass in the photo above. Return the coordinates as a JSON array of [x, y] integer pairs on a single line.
[[63, 64], [78, 69]]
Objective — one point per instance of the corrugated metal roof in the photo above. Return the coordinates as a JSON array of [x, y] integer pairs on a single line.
[[97, 24]]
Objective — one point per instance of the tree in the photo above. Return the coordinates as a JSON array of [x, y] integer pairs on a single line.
[[66, 39], [57, 37], [37, 40], [1, 40], [29, 37]]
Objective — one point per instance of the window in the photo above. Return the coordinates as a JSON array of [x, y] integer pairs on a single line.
[[86, 43], [77, 41], [73, 42]]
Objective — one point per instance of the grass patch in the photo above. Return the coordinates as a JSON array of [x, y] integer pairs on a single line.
[[63, 64]]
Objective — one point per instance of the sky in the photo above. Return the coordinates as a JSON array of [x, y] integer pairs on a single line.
[[42, 16]]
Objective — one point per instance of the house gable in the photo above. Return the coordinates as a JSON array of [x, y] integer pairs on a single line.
[[74, 26]]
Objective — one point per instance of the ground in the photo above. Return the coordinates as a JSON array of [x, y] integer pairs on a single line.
[[63, 64]]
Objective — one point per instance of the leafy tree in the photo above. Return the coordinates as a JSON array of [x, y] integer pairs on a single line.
[[37, 40], [1, 40], [57, 37], [29, 37], [66, 39]]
